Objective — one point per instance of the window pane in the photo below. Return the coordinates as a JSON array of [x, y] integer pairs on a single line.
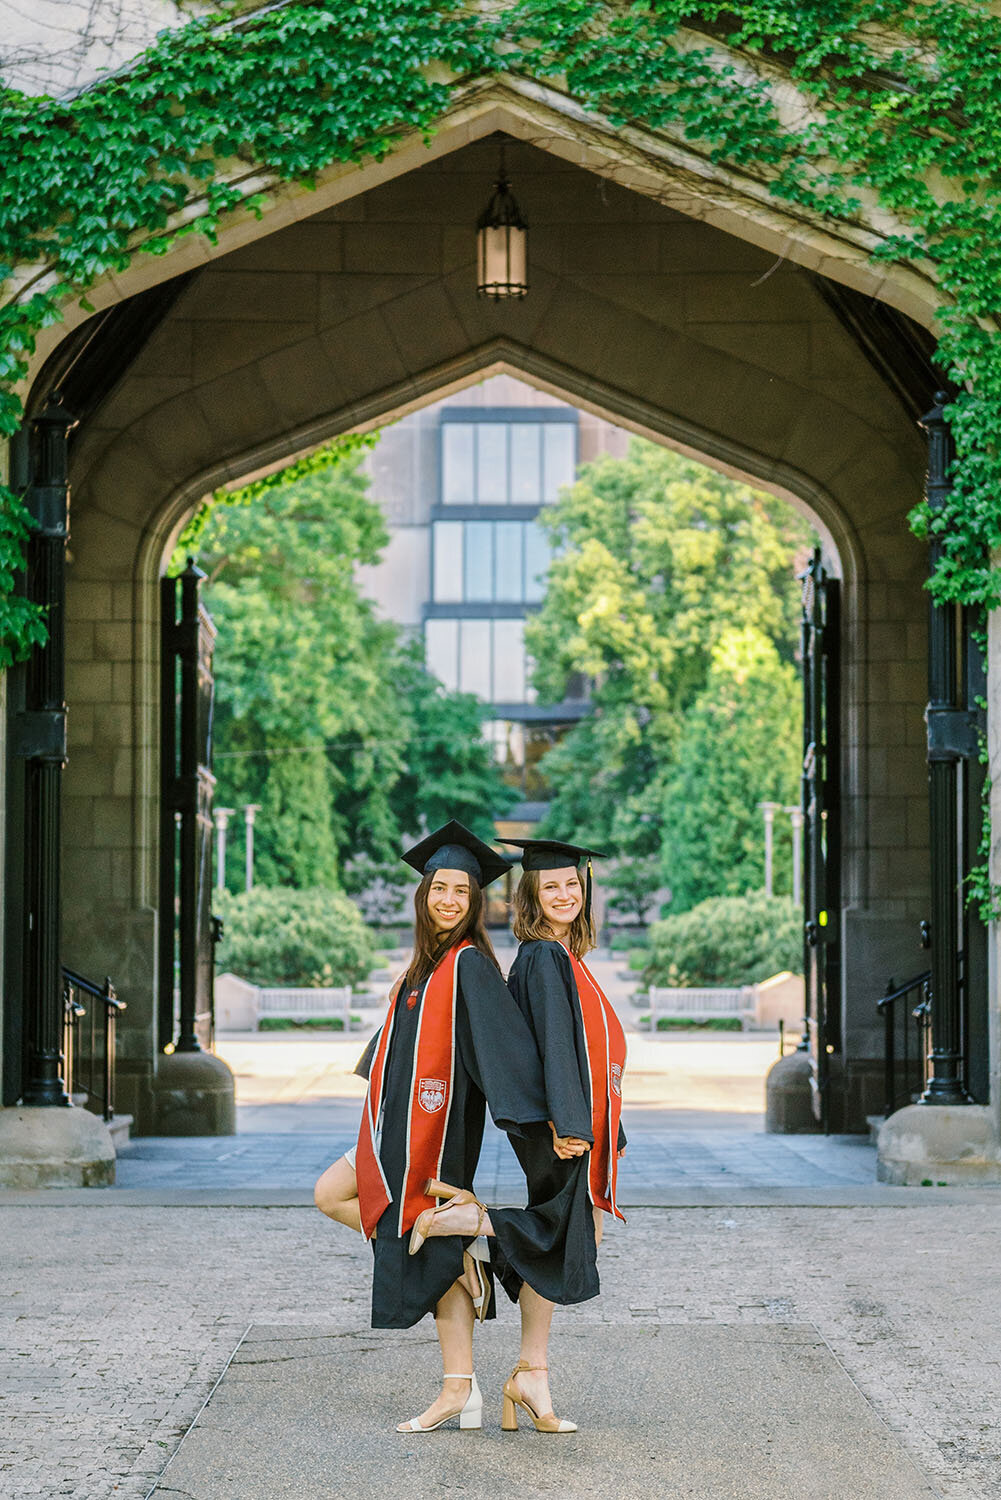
[[448, 562], [509, 661], [508, 741], [441, 643], [457, 486], [560, 451], [540, 740], [507, 541], [491, 463], [474, 657], [526, 472], [537, 558], [479, 571]]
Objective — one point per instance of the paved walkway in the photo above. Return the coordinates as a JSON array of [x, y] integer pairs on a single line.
[[117, 1320], [772, 1324], [693, 1117], [695, 1419]]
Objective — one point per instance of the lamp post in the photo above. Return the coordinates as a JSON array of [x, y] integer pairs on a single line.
[[501, 245], [769, 809], [250, 812], [796, 819], [221, 815]]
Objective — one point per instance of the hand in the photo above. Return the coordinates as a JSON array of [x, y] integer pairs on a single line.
[[622, 1153], [567, 1146]]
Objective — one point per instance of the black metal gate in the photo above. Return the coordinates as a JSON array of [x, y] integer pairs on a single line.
[[187, 691], [960, 1048], [820, 792]]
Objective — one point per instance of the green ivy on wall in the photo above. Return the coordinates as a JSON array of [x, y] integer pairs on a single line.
[[331, 454], [903, 95]]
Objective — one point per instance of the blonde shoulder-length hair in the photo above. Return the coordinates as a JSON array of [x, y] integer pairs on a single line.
[[530, 924]]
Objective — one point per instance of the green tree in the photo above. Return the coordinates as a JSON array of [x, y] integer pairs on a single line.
[[738, 748], [657, 559], [304, 715], [325, 717]]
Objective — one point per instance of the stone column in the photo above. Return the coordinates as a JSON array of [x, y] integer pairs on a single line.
[[42, 1145], [953, 1141]]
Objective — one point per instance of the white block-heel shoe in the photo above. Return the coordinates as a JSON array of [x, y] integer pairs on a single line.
[[469, 1415]]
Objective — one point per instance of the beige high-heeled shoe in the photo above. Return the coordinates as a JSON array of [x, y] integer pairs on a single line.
[[423, 1224], [473, 1279], [435, 1188], [548, 1422], [469, 1415], [476, 1284]]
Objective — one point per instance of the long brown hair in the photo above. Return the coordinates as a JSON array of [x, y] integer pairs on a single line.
[[430, 946], [531, 924]]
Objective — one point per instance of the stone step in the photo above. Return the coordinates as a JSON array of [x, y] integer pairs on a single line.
[[121, 1130], [874, 1122]]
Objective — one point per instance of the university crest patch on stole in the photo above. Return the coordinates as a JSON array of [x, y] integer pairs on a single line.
[[616, 1079], [431, 1094]]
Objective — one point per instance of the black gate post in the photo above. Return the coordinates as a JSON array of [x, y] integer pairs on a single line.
[[186, 808], [169, 813], [187, 1041], [40, 738], [820, 800], [949, 736]]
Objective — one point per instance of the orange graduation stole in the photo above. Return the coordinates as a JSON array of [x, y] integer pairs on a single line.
[[430, 1102], [606, 1056]]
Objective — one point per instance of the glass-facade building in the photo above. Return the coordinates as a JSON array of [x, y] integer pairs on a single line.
[[463, 484]]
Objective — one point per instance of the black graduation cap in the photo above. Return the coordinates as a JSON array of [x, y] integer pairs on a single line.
[[551, 854], [453, 847]]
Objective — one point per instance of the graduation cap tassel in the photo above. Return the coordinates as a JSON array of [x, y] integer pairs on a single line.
[[587, 892]]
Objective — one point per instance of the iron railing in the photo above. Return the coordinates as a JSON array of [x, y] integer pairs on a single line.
[[90, 1012], [906, 1012]]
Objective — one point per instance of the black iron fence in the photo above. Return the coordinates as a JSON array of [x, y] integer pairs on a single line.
[[90, 1012], [906, 1012]]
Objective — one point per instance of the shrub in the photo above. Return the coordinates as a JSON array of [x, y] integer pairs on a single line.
[[685, 1023], [727, 940], [289, 937], [305, 1023]]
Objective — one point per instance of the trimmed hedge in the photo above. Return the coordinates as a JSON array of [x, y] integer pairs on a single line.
[[726, 941], [289, 937]]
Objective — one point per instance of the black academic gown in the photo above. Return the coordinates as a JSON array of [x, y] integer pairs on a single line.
[[495, 1062], [554, 1248]]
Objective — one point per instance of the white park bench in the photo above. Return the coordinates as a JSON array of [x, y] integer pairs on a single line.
[[241, 1006], [702, 1005], [305, 1004]]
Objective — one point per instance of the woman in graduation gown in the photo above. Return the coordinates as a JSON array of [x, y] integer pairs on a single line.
[[547, 1253], [452, 1040]]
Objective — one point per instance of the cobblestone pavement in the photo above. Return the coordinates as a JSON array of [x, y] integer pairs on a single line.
[[117, 1320]]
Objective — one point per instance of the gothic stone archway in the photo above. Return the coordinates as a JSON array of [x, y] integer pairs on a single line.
[[672, 323]]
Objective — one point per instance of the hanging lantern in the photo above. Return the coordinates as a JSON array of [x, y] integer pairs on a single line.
[[501, 245]]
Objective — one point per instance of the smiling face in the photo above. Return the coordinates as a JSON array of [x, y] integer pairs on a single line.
[[560, 897], [448, 899]]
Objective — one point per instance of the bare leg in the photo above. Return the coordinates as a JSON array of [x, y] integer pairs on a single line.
[[336, 1194], [453, 1319], [536, 1318]]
